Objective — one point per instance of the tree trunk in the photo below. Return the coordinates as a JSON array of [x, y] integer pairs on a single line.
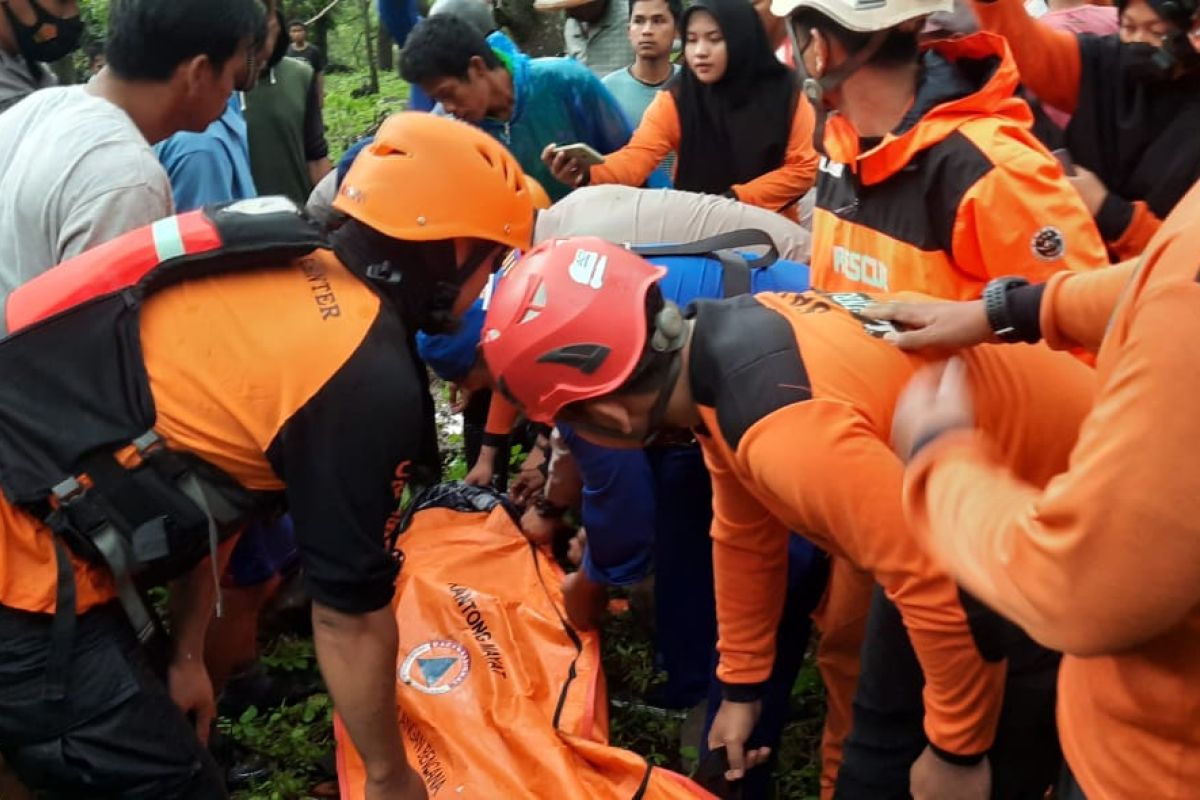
[[537, 33], [369, 39], [320, 35], [384, 43]]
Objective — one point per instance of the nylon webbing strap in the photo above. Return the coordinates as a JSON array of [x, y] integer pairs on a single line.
[[62, 628], [731, 240], [735, 275], [115, 550], [190, 486]]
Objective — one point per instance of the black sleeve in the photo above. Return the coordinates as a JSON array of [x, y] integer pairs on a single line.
[[315, 146], [344, 458], [318, 59], [1025, 311]]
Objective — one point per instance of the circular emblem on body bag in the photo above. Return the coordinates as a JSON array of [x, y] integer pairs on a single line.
[[435, 667], [1048, 244]]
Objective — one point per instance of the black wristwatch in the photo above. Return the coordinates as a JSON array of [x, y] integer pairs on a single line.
[[999, 314]]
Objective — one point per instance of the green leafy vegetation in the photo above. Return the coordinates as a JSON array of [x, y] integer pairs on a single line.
[[351, 114]]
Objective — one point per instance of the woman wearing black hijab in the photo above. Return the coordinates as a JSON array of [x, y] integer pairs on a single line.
[[734, 115]]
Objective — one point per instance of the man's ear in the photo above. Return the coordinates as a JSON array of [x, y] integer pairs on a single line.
[[196, 72], [609, 413], [476, 68], [821, 53]]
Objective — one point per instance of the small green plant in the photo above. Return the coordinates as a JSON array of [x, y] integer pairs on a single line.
[[289, 654], [295, 739]]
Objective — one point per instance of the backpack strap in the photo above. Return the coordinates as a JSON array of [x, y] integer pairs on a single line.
[[62, 628], [144, 517], [735, 275], [730, 240]]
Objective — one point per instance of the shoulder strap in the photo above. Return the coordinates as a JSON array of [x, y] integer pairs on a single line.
[[227, 237], [735, 275], [731, 240]]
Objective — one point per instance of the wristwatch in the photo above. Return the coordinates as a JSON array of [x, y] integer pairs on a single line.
[[996, 306]]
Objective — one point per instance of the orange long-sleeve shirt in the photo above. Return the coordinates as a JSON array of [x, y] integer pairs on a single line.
[[659, 133], [796, 401], [1050, 66], [1104, 563]]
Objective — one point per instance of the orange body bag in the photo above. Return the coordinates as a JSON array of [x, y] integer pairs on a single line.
[[498, 696]]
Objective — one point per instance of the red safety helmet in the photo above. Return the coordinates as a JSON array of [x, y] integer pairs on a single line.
[[567, 323]]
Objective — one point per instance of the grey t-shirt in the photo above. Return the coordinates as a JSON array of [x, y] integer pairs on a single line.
[[75, 173], [604, 45], [649, 216], [17, 80]]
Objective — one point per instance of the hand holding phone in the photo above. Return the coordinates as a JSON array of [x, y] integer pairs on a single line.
[[571, 163], [581, 152]]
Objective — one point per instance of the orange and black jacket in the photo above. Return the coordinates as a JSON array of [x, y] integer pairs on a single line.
[[294, 379], [1104, 562], [1139, 138], [796, 400], [960, 192]]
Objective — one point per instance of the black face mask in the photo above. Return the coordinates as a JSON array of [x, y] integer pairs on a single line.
[[1146, 63], [68, 32]]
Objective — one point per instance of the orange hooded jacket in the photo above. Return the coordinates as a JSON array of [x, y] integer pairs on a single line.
[[1104, 562], [960, 193]]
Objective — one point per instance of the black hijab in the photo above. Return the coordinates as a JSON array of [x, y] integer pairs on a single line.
[[736, 129]]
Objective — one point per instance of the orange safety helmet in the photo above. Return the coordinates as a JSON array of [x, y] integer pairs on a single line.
[[541, 200], [426, 178], [568, 323]]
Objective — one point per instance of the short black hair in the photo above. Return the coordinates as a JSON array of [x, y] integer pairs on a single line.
[[296, 23], [442, 47], [674, 6], [899, 48], [148, 39]]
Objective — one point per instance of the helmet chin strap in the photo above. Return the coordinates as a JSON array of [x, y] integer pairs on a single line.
[[815, 89], [657, 411]]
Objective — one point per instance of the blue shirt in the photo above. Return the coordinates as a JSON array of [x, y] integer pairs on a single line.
[[210, 167], [618, 488], [556, 100], [634, 97]]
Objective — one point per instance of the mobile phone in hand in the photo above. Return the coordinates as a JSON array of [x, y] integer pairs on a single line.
[[581, 152]]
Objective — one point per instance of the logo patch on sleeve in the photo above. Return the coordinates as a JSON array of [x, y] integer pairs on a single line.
[[1048, 244]]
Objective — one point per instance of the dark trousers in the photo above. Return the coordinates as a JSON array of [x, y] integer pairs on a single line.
[[685, 606], [116, 733], [808, 573], [888, 733], [1068, 787]]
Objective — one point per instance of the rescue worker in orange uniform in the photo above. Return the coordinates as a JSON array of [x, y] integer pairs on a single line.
[[293, 379], [1104, 562], [931, 179], [791, 397]]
